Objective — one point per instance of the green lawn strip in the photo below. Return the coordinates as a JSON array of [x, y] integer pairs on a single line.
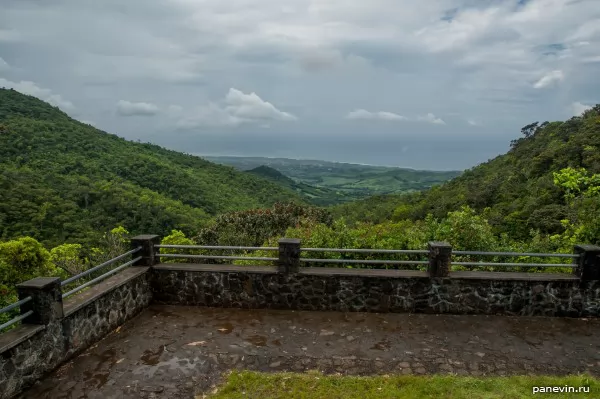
[[249, 384]]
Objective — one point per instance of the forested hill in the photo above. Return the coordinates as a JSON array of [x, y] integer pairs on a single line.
[[517, 187], [316, 195], [63, 180]]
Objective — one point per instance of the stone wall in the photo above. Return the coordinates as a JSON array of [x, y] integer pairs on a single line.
[[29, 351], [352, 290]]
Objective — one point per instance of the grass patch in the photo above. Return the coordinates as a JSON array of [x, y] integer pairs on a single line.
[[250, 384]]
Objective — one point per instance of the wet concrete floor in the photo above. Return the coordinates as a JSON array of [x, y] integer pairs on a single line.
[[179, 352]]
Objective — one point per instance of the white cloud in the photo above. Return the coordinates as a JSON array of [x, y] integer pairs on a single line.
[[252, 107], [127, 108], [3, 65], [381, 115], [30, 88], [236, 109], [549, 79], [431, 118], [472, 122], [578, 108]]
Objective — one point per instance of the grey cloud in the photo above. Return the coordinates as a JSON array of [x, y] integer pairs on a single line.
[[381, 115], [431, 118], [128, 108], [3, 65], [549, 79], [316, 59], [32, 89], [578, 108]]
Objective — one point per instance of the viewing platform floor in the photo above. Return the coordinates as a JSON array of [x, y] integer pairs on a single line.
[[179, 352]]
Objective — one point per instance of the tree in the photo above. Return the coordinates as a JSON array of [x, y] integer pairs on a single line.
[[529, 130]]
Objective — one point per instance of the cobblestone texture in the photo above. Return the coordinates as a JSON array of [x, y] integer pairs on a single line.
[[377, 294], [177, 352], [28, 361]]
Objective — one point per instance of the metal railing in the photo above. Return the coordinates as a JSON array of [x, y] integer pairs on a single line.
[[23, 301], [574, 257], [96, 268], [216, 247], [372, 251], [221, 247], [17, 318], [311, 260]]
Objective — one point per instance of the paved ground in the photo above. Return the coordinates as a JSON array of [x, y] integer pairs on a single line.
[[177, 352]]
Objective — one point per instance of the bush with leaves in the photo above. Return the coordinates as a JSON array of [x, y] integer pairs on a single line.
[[254, 227], [21, 260]]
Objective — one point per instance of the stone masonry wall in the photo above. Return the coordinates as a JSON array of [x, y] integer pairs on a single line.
[[28, 351], [376, 291]]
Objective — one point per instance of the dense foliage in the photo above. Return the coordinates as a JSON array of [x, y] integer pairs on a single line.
[[517, 191], [65, 181]]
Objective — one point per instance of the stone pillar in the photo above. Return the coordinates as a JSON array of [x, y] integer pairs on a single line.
[[588, 263], [46, 303], [289, 255], [148, 253], [440, 254]]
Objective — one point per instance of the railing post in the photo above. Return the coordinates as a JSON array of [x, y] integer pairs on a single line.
[[46, 299], [148, 252], [289, 255], [588, 265], [440, 254]]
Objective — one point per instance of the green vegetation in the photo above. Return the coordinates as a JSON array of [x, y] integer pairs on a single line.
[[315, 195], [65, 181], [346, 181], [25, 258], [546, 184], [249, 384]]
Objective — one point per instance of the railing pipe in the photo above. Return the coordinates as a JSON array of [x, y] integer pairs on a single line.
[[102, 277], [531, 254], [515, 264], [215, 257], [368, 262], [216, 247], [365, 250], [16, 320], [15, 305], [100, 266]]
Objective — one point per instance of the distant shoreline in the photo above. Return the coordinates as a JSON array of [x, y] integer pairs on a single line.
[[321, 160]]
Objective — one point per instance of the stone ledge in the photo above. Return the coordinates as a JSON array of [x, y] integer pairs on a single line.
[[318, 271], [78, 301], [14, 337], [196, 267], [511, 276], [341, 271]]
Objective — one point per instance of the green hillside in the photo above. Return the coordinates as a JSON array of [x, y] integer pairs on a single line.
[[63, 180], [315, 195], [353, 181], [516, 191]]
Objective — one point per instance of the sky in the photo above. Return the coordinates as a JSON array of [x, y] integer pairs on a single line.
[[432, 84]]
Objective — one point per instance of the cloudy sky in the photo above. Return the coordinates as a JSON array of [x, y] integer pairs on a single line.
[[432, 84]]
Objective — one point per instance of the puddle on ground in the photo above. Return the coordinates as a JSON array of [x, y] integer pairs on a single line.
[[257, 340], [150, 358], [225, 328], [382, 345], [100, 378]]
